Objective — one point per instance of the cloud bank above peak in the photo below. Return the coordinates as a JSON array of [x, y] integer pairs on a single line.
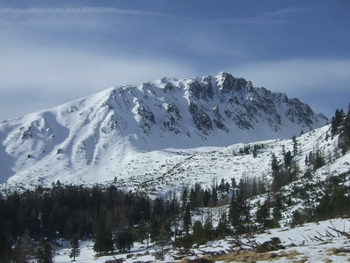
[[53, 52], [312, 80], [47, 78]]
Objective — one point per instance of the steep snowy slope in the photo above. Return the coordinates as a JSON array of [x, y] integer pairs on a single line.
[[127, 133]]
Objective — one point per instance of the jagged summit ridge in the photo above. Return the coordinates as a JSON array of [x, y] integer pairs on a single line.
[[214, 106], [83, 137]]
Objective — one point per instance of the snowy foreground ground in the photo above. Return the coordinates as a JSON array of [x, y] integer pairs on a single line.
[[314, 242]]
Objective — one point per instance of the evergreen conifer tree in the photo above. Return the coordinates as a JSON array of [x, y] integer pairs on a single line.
[[23, 249], [198, 232], [5, 247], [235, 213], [295, 146], [184, 196], [214, 197], [124, 241], [208, 228], [336, 121], [45, 253], [287, 159], [187, 219], [263, 215], [223, 227], [103, 238], [163, 236], [75, 250]]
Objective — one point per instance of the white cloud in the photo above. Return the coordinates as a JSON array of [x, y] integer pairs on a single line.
[[276, 17], [297, 74], [78, 11], [47, 65], [285, 11], [15, 16], [322, 83], [67, 68], [46, 77]]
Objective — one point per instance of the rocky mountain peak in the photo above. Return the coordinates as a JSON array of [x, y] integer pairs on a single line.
[[166, 113]]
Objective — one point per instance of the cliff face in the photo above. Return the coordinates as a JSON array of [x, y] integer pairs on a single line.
[[202, 109]]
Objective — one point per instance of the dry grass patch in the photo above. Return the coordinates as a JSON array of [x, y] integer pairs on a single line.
[[302, 260], [338, 251], [249, 256], [289, 254], [198, 260], [253, 256]]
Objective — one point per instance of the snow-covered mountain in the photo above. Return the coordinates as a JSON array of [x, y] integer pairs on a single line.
[[146, 130]]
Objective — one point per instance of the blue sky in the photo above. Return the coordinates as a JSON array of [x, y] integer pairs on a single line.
[[53, 52]]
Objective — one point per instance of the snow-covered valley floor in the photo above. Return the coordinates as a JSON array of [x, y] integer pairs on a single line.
[[311, 242]]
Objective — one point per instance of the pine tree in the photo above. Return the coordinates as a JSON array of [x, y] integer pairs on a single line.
[[295, 146], [254, 187], [274, 164], [163, 237], [233, 183], [223, 229], [255, 150], [262, 215], [158, 208], [206, 198], [198, 232], [287, 159], [103, 238], [124, 241], [153, 228], [75, 250], [319, 159], [236, 212], [187, 219], [45, 253], [23, 249], [336, 121], [5, 247], [184, 196], [276, 213], [344, 137], [141, 232], [193, 198], [214, 197], [208, 228]]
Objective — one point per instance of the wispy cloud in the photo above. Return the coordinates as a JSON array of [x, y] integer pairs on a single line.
[[277, 17], [78, 11], [285, 11], [13, 16], [296, 74], [43, 77]]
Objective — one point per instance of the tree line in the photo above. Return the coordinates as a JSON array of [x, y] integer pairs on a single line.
[[44, 215], [32, 220]]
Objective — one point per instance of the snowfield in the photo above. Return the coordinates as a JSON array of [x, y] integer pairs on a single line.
[[168, 171], [142, 133], [312, 243]]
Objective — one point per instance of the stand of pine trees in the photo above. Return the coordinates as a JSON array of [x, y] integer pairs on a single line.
[[114, 219]]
